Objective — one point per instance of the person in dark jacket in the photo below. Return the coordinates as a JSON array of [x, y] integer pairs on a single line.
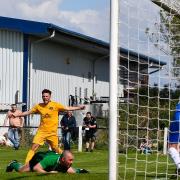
[[90, 126], [68, 125]]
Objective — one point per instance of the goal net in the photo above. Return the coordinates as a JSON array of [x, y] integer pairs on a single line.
[[149, 71]]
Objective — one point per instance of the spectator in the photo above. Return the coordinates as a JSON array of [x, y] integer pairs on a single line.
[[68, 125], [90, 126], [145, 146], [43, 162], [15, 123]]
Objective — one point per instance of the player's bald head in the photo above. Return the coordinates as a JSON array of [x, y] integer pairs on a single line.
[[67, 153], [67, 158]]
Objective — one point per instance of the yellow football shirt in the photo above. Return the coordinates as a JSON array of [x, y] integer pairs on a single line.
[[49, 115]]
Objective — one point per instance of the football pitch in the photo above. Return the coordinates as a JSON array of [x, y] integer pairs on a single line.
[[131, 166], [95, 162], [154, 166]]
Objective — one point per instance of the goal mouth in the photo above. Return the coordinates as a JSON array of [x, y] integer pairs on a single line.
[[149, 90]]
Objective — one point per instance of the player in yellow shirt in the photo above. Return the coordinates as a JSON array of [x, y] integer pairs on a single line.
[[48, 127]]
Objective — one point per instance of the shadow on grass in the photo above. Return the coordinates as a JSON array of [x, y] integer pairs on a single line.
[[153, 177], [65, 176], [28, 176]]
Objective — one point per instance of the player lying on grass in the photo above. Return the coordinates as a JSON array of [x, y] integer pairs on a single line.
[[48, 127], [44, 162]]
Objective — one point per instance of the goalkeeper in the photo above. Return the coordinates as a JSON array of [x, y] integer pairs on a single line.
[[174, 138], [44, 162], [48, 127]]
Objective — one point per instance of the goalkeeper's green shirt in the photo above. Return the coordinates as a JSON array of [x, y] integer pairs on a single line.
[[50, 161]]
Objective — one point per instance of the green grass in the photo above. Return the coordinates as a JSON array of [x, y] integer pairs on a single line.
[[96, 163], [131, 166], [152, 166]]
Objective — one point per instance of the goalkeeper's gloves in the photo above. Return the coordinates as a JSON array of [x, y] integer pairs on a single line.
[[81, 171]]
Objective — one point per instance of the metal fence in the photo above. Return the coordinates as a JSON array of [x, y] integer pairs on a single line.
[[27, 133]]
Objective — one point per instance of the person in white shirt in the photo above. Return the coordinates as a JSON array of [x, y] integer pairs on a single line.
[[15, 123]]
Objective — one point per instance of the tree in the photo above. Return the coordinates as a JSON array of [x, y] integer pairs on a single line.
[[170, 29], [168, 32]]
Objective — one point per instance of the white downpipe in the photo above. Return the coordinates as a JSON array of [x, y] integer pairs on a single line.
[[30, 64], [29, 103], [113, 129], [80, 139], [165, 140]]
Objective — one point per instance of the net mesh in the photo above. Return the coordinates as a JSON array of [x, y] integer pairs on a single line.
[[149, 70]]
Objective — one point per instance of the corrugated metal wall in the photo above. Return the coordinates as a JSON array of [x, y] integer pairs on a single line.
[[3, 130], [102, 78], [11, 66], [66, 71], [62, 69]]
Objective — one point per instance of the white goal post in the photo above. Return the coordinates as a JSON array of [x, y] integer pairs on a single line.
[[113, 121]]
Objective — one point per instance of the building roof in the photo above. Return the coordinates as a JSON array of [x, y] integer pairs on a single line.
[[45, 29], [141, 56]]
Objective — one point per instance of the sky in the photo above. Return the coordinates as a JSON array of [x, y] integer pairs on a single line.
[[92, 18], [87, 17]]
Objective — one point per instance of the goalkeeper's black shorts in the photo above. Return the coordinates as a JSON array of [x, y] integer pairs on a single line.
[[36, 159]]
